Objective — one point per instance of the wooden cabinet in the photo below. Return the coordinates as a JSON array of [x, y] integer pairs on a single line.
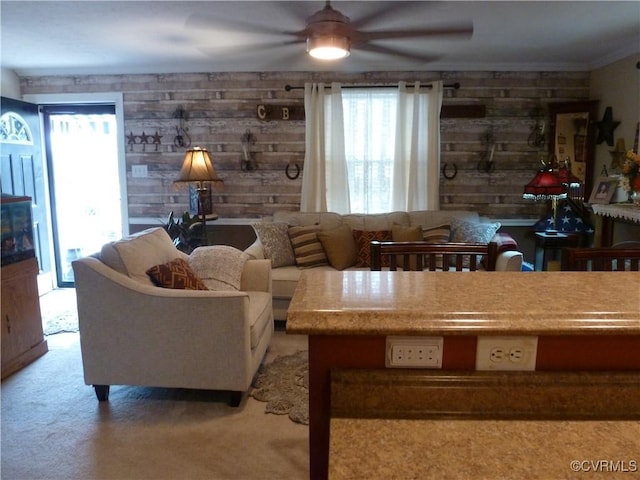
[[22, 337]]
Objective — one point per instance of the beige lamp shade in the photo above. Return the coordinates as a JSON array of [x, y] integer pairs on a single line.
[[197, 167]]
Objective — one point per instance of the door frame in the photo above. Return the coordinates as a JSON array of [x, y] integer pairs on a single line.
[[115, 98]]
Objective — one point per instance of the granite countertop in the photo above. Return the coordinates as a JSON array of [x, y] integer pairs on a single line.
[[483, 449], [465, 303]]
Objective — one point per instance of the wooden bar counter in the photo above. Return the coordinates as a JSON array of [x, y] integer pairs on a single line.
[[585, 323]]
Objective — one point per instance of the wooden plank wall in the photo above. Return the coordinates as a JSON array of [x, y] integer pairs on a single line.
[[222, 106]]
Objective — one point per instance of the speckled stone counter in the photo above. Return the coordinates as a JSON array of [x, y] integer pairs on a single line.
[[583, 321], [404, 303], [485, 425], [483, 449]]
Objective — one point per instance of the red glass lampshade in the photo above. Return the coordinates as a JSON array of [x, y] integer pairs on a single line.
[[568, 178], [546, 185]]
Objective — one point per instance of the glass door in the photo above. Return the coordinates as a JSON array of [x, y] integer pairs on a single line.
[[82, 155]]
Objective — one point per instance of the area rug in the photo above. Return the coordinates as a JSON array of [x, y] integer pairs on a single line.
[[59, 311], [284, 385], [60, 322]]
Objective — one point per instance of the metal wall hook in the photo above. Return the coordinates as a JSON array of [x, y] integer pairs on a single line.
[[247, 163], [182, 138]]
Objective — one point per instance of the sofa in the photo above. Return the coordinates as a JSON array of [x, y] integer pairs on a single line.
[[294, 241], [150, 315]]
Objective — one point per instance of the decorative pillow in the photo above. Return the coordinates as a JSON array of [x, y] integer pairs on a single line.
[[463, 231], [219, 266], [340, 247], [401, 233], [439, 234], [307, 248], [175, 274], [363, 244], [274, 237]]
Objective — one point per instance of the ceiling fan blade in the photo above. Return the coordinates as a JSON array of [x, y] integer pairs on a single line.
[[420, 57], [209, 23], [246, 49], [382, 12], [463, 30]]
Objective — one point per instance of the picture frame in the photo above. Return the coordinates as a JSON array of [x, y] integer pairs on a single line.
[[603, 190]]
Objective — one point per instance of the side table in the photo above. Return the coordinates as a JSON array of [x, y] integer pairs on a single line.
[[548, 246]]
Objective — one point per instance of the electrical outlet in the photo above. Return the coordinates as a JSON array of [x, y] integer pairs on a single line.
[[414, 352], [506, 353], [139, 171]]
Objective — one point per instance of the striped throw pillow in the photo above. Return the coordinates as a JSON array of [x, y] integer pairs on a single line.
[[307, 249], [439, 234]]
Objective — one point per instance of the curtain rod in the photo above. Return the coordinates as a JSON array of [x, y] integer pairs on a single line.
[[454, 86]]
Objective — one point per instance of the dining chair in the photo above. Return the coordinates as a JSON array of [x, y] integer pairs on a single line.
[[420, 255], [603, 259]]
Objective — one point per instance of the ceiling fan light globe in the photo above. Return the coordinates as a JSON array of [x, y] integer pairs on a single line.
[[329, 47]]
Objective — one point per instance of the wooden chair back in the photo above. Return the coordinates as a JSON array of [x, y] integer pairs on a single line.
[[601, 259], [433, 256]]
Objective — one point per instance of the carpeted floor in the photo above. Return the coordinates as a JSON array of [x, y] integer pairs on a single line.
[[54, 428]]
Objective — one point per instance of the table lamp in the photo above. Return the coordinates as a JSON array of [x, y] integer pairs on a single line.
[[572, 183], [198, 168], [546, 185]]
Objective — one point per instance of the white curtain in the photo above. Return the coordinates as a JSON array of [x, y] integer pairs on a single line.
[[416, 165], [416, 173], [324, 180]]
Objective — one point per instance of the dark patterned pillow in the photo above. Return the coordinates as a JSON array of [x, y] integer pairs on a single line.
[[306, 246], [363, 244], [175, 274]]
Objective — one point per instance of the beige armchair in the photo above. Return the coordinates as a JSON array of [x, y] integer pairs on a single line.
[[133, 332]]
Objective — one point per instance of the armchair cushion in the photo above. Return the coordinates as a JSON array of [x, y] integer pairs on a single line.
[[134, 255], [175, 274], [219, 266]]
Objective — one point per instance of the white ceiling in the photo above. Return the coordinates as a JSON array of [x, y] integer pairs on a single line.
[[113, 37]]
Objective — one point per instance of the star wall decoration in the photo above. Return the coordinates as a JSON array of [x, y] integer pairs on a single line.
[[606, 127]]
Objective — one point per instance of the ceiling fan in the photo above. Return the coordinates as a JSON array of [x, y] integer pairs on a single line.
[[331, 35]]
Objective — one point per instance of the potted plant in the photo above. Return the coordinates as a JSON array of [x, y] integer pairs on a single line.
[[186, 231]]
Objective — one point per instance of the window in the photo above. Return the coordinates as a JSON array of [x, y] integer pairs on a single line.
[[369, 130], [371, 150]]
